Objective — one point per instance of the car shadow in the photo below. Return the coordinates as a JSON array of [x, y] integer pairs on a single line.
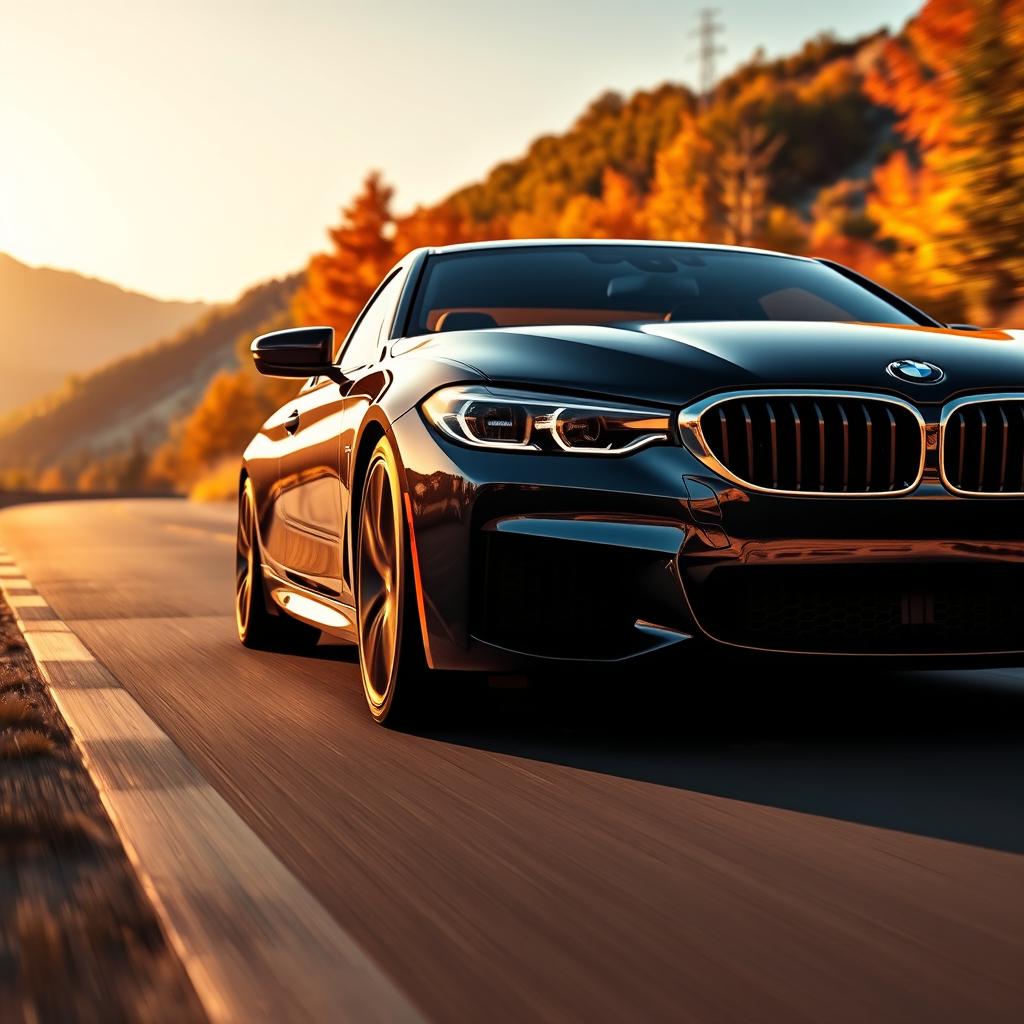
[[939, 754]]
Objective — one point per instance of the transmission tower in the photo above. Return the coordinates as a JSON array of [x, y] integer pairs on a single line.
[[708, 28]]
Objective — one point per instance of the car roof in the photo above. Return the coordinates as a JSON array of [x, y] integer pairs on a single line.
[[514, 243]]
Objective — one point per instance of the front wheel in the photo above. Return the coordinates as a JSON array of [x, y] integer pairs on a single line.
[[391, 658]]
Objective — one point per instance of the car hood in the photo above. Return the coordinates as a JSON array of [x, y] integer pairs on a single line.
[[674, 363]]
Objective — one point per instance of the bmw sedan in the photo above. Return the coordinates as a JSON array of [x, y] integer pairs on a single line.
[[538, 452]]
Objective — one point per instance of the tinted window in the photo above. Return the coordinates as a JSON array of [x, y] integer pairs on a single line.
[[594, 284], [362, 346]]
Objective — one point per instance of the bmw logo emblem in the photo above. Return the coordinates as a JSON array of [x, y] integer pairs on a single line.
[[915, 371]]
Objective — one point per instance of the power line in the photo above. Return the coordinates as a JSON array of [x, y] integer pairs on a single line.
[[708, 28]]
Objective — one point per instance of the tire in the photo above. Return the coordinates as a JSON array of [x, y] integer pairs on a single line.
[[391, 659], [258, 627]]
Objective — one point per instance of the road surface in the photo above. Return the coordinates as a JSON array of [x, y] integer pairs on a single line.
[[682, 848]]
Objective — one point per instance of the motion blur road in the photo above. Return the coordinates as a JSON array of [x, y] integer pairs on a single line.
[[682, 848]]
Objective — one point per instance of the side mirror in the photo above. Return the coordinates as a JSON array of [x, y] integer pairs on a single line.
[[301, 352]]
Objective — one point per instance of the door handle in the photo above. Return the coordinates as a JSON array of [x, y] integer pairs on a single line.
[[292, 423]]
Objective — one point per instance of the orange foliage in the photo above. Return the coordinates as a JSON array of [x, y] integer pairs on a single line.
[[541, 219], [956, 213], [916, 207], [338, 283], [618, 213], [53, 479], [783, 229], [917, 74], [219, 427], [430, 226], [681, 203]]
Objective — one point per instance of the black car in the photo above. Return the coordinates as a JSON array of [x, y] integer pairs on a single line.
[[539, 452]]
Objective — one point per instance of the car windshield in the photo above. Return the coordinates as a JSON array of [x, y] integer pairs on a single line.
[[597, 284]]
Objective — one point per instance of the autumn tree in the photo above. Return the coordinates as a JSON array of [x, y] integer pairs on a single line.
[[539, 219], [841, 227], [219, 427], [339, 282], [617, 213], [987, 163], [443, 224], [743, 179], [681, 204], [115, 472], [956, 79]]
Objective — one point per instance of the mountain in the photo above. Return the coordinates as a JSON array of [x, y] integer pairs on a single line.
[[130, 403], [54, 323]]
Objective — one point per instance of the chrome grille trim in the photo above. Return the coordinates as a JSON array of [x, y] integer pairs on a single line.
[[693, 437], [997, 434]]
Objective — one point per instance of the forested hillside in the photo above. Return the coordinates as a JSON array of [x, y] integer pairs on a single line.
[[747, 167], [100, 430], [54, 323]]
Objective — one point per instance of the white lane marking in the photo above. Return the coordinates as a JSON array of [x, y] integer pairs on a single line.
[[26, 601], [15, 583], [255, 942], [43, 626], [56, 646], [104, 714], [280, 933]]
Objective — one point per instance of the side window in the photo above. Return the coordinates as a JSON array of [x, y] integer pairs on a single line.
[[362, 346]]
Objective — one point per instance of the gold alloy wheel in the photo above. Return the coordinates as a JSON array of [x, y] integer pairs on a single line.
[[379, 582]]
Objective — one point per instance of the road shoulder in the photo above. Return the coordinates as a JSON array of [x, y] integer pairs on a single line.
[[254, 942], [79, 939]]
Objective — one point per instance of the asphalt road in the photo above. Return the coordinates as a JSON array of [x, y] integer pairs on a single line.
[[695, 846]]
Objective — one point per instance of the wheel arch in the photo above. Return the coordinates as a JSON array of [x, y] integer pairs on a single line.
[[375, 428], [371, 433], [245, 476]]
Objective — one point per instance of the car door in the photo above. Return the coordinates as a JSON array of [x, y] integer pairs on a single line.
[[312, 460], [309, 502]]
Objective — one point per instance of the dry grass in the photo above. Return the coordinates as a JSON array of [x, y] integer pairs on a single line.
[[15, 684], [109, 921], [16, 709], [55, 830], [26, 743]]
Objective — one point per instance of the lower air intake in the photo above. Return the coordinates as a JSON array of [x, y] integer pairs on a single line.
[[866, 609]]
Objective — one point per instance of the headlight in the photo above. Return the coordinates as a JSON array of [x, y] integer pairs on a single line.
[[517, 420]]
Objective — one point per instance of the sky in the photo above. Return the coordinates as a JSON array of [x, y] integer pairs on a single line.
[[191, 148]]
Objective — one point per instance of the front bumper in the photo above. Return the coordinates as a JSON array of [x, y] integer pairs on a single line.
[[525, 559]]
